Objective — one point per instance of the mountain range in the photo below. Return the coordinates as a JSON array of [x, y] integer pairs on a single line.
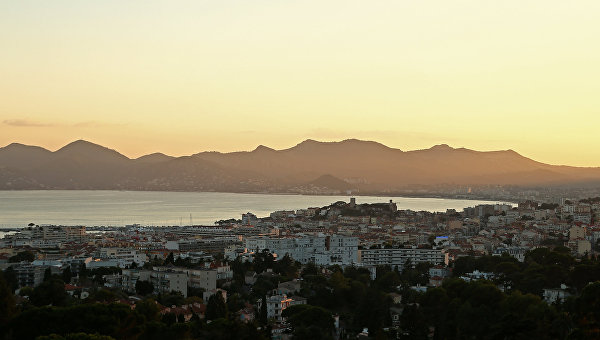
[[309, 167]]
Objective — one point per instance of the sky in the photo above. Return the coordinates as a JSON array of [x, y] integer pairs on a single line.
[[180, 77]]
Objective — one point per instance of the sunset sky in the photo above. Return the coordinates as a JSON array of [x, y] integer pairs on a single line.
[[181, 77]]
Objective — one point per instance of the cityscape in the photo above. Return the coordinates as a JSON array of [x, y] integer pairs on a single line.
[[299, 170], [342, 271]]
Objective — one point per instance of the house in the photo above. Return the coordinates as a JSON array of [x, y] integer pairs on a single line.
[[276, 304], [552, 295], [207, 294], [477, 275], [435, 281], [76, 291], [246, 314], [440, 271], [289, 287]]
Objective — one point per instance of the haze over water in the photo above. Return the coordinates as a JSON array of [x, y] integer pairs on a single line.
[[118, 208]]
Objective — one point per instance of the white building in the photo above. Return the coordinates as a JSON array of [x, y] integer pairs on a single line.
[[397, 257], [47, 236], [556, 294], [322, 250], [516, 252], [123, 256]]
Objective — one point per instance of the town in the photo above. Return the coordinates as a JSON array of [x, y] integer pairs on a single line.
[[343, 271]]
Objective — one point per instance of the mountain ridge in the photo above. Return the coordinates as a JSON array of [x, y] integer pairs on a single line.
[[351, 164]]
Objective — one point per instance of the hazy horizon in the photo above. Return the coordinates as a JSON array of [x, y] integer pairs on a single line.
[[182, 77]]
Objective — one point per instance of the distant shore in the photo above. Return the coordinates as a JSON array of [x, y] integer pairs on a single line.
[[333, 194]]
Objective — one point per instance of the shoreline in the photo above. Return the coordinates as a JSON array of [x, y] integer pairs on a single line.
[[392, 195]]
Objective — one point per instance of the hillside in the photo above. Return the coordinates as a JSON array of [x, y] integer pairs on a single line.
[[346, 165]]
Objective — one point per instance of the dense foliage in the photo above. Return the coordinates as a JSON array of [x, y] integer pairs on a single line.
[[456, 310]]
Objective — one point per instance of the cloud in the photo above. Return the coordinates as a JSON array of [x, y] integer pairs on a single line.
[[25, 123], [33, 123]]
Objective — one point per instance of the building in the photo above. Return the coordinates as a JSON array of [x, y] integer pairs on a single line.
[[48, 236], [322, 250], [29, 275], [124, 257], [200, 278], [282, 214], [576, 233], [276, 304], [397, 257], [195, 278], [224, 272], [516, 252], [249, 219], [163, 279], [554, 295]]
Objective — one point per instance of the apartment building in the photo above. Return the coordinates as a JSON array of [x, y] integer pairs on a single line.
[[123, 256], [397, 257], [164, 280], [325, 250]]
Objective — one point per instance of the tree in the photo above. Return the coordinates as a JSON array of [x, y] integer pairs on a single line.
[[413, 323], [309, 269], [115, 320], [216, 307], [11, 279], [170, 259], [586, 310], [310, 322], [7, 301], [75, 336], [171, 299], [262, 314], [169, 319], [148, 309], [50, 292], [83, 272], [143, 287], [25, 291], [104, 295], [286, 267], [263, 260], [22, 256], [47, 274], [67, 275]]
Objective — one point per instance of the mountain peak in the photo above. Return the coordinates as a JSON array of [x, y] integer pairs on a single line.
[[15, 145], [309, 142], [441, 147], [352, 142], [262, 148], [154, 158], [20, 146], [80, 143], [84, 148]]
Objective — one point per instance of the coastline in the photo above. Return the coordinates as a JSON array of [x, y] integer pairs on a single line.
[[280, 193]]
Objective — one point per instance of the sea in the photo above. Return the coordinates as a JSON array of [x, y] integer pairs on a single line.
[[120, 208]]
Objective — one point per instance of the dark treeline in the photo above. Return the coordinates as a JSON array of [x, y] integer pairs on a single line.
[[456, 310], [542, 268]]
